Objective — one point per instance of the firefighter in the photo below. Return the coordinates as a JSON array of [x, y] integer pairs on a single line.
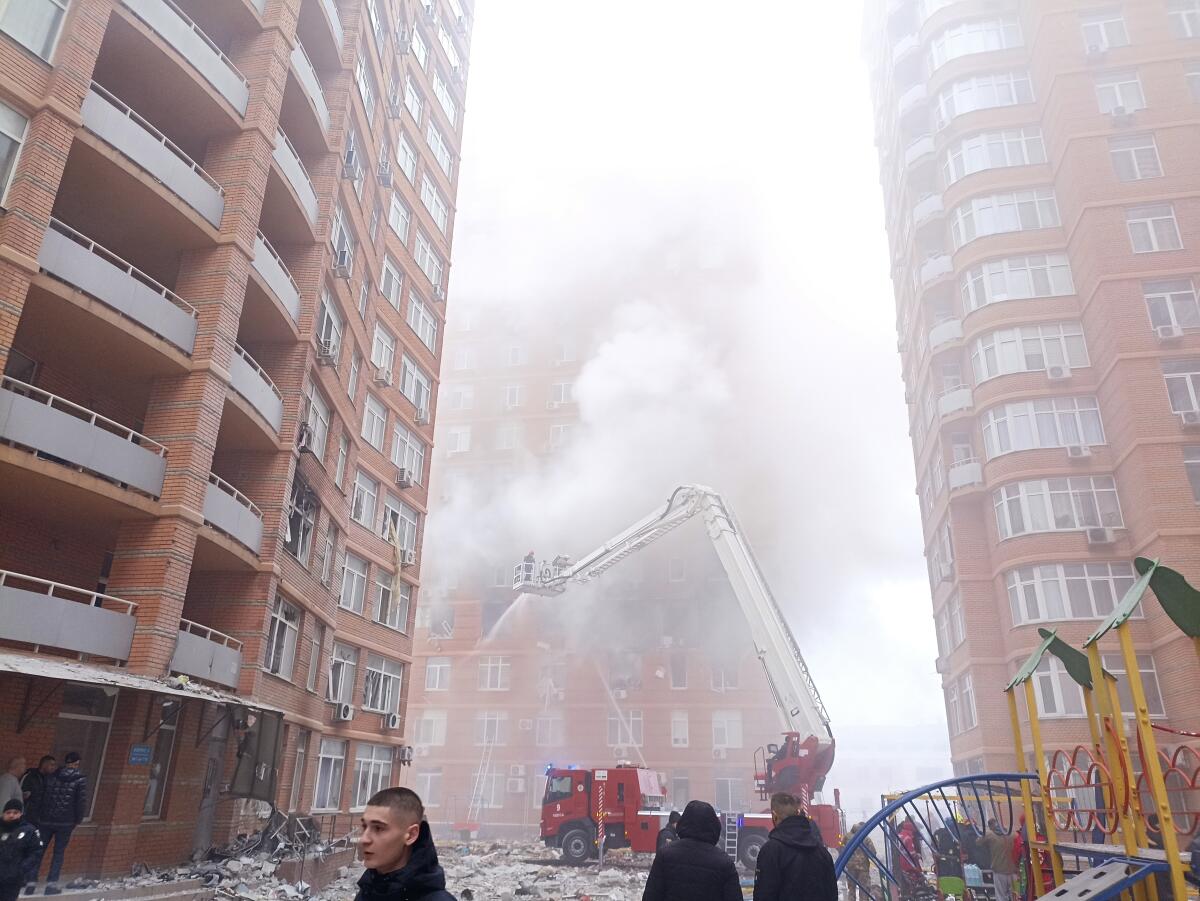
[[858, 868]]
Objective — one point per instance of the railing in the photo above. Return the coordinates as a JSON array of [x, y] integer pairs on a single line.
[[218, 482], [918, 149], [335, 20], [262, 373], [934, 267], [186, 625], [307, 73], [48, 614], [290, 301], [289, 160], [81, 595], [964, 472], [91, 417], [249, 379]]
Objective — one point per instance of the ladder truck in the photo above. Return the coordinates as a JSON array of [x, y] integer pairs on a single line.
[[571, 812]]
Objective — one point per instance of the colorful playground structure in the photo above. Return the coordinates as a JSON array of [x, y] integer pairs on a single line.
[[1085, 823]]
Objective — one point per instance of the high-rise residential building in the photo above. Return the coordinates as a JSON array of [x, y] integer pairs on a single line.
[[224, 245], [651, 664], [1039, 176]]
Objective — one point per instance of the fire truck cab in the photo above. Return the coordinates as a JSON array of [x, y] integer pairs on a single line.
[[628, 800]]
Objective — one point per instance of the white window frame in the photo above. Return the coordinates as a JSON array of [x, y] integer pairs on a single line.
[[422, 321], [429, 783], [1028, 348], [1172, 303], [14, 127], [374, 423], [727, 729], [355, 574], [318, 416], [408, 452], [997, 214], [1135, 157], [343, 673], [406, 157], [391, 281], [495, 673], [1057, 505], [1115, 664], [393, 600], [383, 348], [282, 637], [372, 771], [679, 728], [993, 150], [1042, 423], [1056, 592], [1147, 228], [442, 92], [364, 78], [428, 260], [331, 324], [1104, 30], [1057, 695], [491, 727], [1182, 379], [399, 218], [331, 767], [1183, 16], [414, 101], [382, 684], [971, 36], [365, 499], [437, 673], [1120, 90], [1016, 278], [432, 728]]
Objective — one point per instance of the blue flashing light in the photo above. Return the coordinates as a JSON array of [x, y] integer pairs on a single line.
[[741, 821]]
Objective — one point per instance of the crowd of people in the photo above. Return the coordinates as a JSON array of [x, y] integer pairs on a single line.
[[42, 806]]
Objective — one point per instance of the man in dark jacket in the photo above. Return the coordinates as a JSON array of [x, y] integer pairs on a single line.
[[693, 868], [794, 864], [397, 847], [64, 805], [20, 848], [667, 833], [33, 787]]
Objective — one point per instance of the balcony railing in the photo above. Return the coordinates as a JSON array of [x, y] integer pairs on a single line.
[[288, 159], [206, 654], [79, 261], [252, 382], [910, 98], [922, 146], [174, 27], [335, 21], [117, 124], [274, 272], [926, 208], [964, 473], [230, 511], [944, 332], [935, 267], [955, 400], [79, 437], [903, 47], [53, 615], [307, 74]]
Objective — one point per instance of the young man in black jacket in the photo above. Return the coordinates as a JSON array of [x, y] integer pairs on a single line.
[[794, 864], [668, 833], [64, 805], [20, 847], [33, 787], [694, 868], [397, 847]]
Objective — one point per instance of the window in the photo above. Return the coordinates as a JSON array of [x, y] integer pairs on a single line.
[[982, 92], [372, 771], [1172, 303], [439, 148], [415, 384], [993, 150], [562, 393], [1135, 158], [488, 786], [331, 760], [437, 674], [83, 725], [506, 437], [723, 676], [1029, 348], [373, 225], [1183, 384], [374, 424], [381, 687], [429, 786], [330, 326], [365, 79], [366, 495], [625, 731], [354, 583], [442, 92], [383, 348], [1057, 505], [681, 792], [428, 260], [973, 36], [34, 24], [1119, 92], [352, 381], [1115, 664], [560, 435], [1191, 465], [327, 560], [447, 43], [408, 453], [315, 655], [422, 321], [495, 674], [1056, 692], [432, 198], [464, 358], [1016, 278], [1184, 18], [281, 638], [413, 99], [364, 297], [406, 157], [391, 281], [343, 673], [399, 523], [727, 728], [1153, 228], [431, 728], [301, 521], [13, 127], [679, 729], [960, 705], [1051, 592], [1192, 73], [376, 21], [513, 396], [298, 771], [420, 51], [399, 218], [340, 236], [940, 556], [317, 418], [491, 727], [679, 669], [1049, 422], [160, 761], [1001, 213], [549, 731], [1104, 30], [392, 601], [342, 457], [951, 629]]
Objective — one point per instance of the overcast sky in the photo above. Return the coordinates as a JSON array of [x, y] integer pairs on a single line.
[[610, 146]]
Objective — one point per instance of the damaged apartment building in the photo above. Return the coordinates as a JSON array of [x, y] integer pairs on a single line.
[[224, 250]]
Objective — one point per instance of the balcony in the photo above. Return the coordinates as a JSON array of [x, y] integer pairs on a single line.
[[252, 382], [335, 20], [944, 332], [293, 170], [919, 149], [78, 437], [900, 49], [268, 264], [935, 267], [926, 208], [169, 22], [307, 76], [206, 654], [228, 510], [51, 615], [911, 98], [82, 263], [955, 400], [116, 124], [964, 473]]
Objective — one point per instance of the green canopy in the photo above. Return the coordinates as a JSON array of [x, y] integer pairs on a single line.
[[1076, 662], [1027, 669], [1128, 604], [1179, 599]]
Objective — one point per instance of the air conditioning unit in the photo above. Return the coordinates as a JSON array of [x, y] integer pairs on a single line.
[[404, 479], [343, 713], [422, 750], [515, 786], [517, 770], [326, 352], [409, 558], [1058, 373], [393, 106], [720, 753], [1189, 419], [1167, 332], [391, 721], [385, 173], [526, 725], [1078, 451], [620, 694], [1121, 116], [343, 263], [383, 376], [1101, 536], [421, 417]]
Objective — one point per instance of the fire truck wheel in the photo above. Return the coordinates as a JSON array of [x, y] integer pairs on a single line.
[[577, 846], [748, 849]]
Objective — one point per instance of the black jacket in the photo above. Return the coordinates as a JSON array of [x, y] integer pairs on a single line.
[[795, 865], [20, 848], [35, 783], [666, 835], [421, 877], [65, 800], [693, 868]]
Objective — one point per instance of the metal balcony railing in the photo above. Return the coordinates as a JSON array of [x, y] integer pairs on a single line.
[[278, 277], [251, 381], [50, 614]]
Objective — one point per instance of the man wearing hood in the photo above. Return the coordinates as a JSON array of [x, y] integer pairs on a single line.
[[397, 847], [64, 805], [694, 868], [794, 864], [20, 848]]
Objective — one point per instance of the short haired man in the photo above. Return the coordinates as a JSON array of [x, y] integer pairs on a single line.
[[10, 781], [794, 864], [33, 787], [64, 806], [397, 847]]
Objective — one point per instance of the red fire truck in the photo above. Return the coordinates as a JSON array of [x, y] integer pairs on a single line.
[[632, 814]]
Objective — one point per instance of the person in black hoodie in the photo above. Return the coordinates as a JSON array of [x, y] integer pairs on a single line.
[[64, 805], [667, 833], [20, 847], [397, 847], [794, 864], [694, 868], [33, 787]]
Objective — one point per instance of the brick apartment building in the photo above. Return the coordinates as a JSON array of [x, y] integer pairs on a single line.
[[223, 247], [662, 630], [1040, 181]]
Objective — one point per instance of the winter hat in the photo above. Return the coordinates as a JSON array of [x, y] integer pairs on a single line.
[[14, 804]]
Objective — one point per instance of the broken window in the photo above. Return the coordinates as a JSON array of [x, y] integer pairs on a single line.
[[297, 794], [343, 673], [724, 676], [392, 601], [314, 658], [624, 670], [84, 721], [330, 764], [678, 666], [301, 521], [372, 771], [160, 762], [381, 687], [281, 638]]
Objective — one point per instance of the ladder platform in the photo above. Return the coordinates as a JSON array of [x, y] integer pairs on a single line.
[[1107, 880]]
